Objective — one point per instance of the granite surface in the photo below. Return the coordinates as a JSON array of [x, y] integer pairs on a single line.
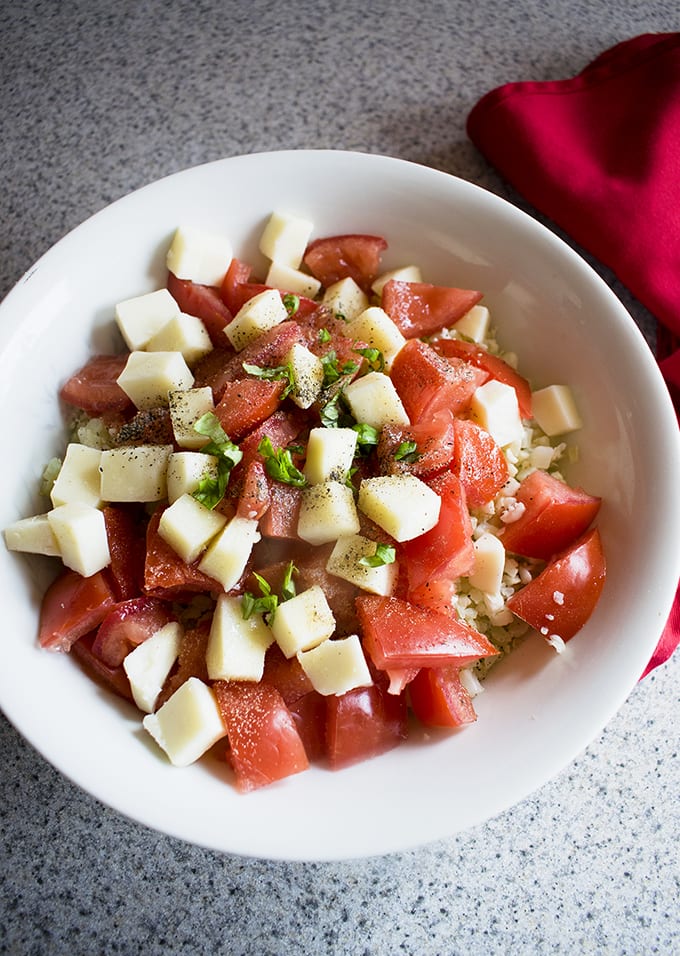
[[97, 99]]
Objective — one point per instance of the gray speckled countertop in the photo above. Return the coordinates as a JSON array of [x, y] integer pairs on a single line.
[[98, 99]]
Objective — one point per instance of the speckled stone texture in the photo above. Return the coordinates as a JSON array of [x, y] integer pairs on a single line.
[[98, 99]]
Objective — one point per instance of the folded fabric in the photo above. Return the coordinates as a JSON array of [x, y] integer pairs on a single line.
[[599, 154]]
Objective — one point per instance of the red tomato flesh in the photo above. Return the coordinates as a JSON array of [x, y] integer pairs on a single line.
[[113, 678], [563, 596], [190, 661], [438, 699], [496, 367], [95, 388], [419, 308], [203, 301], [434, 441], [166, 575], [126, 538], [72, 607], [427, 383], [254, 497], [340, 257], [127, 625], [479, 462], [246, 403], [363, 723]]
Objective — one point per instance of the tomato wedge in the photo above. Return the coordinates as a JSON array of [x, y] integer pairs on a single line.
[[95, 388], [478, 461], [127, 625], [419, 308], [363, 723], [562, 597], [428, 383], [497, 367], [434, 440], [246, 403], [203, 301], [72, 607], [399, 634], [340, 257], [125, 533], [113, 678], [438, 698], [190, 661], [166, 575]]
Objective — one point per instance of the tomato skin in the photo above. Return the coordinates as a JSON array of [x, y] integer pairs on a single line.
[[113, 678], [338, 257], [438, 698], [564, 595], [237, 274], [445, 551], [399, 634], [363, 723], [434, 439], [254, 497], [420, 308], [427, 383], [95, 388], [496, 367], [125, 532], [479, 462], [264, 744], [72, 607], [280, 520], [203, 301], [127, 625], [246, 403], [166, 575], [555, 515], [191, 661]]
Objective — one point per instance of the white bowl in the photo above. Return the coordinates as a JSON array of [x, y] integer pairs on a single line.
[[539, 709]]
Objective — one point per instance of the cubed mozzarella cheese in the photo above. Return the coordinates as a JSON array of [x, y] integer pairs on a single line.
[[475, 323], [376, 328], [227, 555], [78, 478], [186, 470], [374, 400], [257, 315], [287, 279], [186, 407], [187, 724], [345, 562], [148, 665], [188, 527], [330, 452], [185, 334], [494, 406], [402, 274], [402, 505], [284, 239], [198, 255], [487, 573], [345, 299], [303, 621], [335, 667], [327, 511], [134, 473], [236, 647], [33, 535], [80, 531], [141, 317], [307, 375], [148, 377], [555, 410]]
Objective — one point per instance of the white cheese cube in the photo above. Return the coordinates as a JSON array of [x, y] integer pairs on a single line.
[[345, 299], [334, 667], [134, 473], [345, 562], [257, 315], [401, 504], [148, 665], [200, 256], [149, 376], [555, 410], [227, 556], [284, 239], [78, 478], [185, 334], [186, 407], [307, 375], [403, 274], [375, 327], [374, 400], [33, 535], [487, 573], [187, 724], [236, 647], [80, 531], [186, 470], [474, 324], [188, 527], [494, 406], [287, 279], [327, 511], [141, 317], [303, 621], [330, 452]]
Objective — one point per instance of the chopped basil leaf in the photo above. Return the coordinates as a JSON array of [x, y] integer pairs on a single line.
[[279, 464], [334, 413], [374, 358], [210, 489], [384, 554], [367, 437], [266, 604], [291, 302], [332, 371], [324, 336], [283, 373], [407, 452], [288, 586]]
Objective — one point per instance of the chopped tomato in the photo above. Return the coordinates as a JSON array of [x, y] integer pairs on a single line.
[[554, 515], [428, 383], [253, 494], [363, 723], [438, 594], [400, 634], [438, 698], [562, 597], [497, 367], [246, 403], [309, 714], [280, 520], [166, 575], [419, 308], [282, 428], [340, 594], [446, 551], [113, 678], [191, 660], [285, 674], [400, 678], [72, 607], [434, 446], [237, 274], [95, 388], [127, 625], [264, 744], [479, 462], [340, 257], [126, 537], [203, 301]]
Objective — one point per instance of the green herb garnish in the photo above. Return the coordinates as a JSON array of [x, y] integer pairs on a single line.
[[367, 437], [278, 373], [268, 602], [210, 489], [324, 336], [384, 554], [407, 452], [332, 371], [279, 465], [374, 358], [291, 302]]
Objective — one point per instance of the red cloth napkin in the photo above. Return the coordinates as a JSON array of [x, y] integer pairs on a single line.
[[599, 154]]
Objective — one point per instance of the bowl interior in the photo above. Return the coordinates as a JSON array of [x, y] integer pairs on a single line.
[[539, 709]]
